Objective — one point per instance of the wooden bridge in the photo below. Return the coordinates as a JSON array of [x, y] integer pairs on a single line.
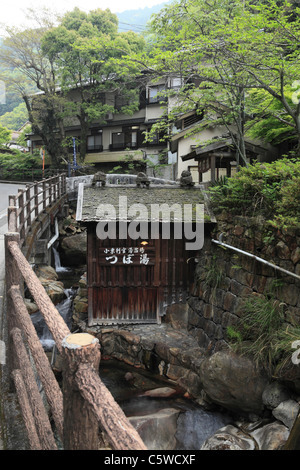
[[83, 404]]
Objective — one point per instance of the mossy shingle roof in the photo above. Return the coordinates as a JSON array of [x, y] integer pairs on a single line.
[[94, 202]]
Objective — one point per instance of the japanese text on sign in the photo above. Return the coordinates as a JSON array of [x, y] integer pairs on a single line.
[[126, 255]]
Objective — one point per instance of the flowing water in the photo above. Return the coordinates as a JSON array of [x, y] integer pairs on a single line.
[[65, 309], [58, 267], [192, 425], [188, 424]]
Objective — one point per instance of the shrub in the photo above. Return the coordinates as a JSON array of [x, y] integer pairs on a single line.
[[263, 335], [269, 189], [18, 162]]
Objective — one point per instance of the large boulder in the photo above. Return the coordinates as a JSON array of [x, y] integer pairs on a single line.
[[73, 249], [233, 382], [157, 430], [229, 438], [46, 272], [55, 290], [272, 436]]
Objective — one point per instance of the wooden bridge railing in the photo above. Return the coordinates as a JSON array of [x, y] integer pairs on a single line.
[[25, 207], [84, 403]]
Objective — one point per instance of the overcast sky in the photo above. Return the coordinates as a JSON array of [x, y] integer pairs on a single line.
[[13, 12]]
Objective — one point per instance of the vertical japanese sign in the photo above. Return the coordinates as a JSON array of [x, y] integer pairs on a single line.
[[74, 154]]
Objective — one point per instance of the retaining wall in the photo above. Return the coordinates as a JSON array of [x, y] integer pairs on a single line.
[[224, 278]]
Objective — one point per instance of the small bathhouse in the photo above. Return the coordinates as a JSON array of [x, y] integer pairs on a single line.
[[142, 244]]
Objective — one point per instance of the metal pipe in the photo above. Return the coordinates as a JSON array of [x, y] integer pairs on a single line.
[[257, 258]]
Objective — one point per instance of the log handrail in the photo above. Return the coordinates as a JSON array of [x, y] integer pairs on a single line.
[[77, 425], [27, 204]]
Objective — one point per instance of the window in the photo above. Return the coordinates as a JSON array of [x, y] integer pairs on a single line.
[[176, 83], [126, 139], [94, 142], [155, 94], [192, 119]]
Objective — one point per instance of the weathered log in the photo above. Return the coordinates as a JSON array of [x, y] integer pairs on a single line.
[[81, 428], [40, 416], [12, 276], [53, 319], [28, 418], [82, 353], [121, 434], [46, 375], [12, 218]]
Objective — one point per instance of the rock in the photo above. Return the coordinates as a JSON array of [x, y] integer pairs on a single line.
[[80, 304], [283, 251], [295, 256], [129, 376], [46, 272], [73, 249], [229, 438], [177, 316], [271, 436], [31, 306], [194, 427], [274, 394], [128, 336], [55, 290], [287, 412], [157, 430], [233, 382], [162, 392]]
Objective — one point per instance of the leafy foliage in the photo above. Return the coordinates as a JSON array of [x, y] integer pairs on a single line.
[[18, 163], [243, 60], [16, 118], [269, 189], [258, 331], [263, 334], [5, 135]]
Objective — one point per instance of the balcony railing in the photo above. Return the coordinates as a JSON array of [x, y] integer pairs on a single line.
[[94, 148], [123, 146]]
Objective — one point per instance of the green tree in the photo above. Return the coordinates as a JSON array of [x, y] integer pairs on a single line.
[[5, 135], [16, 118], [28, 70], [223, 50], [88, 55]]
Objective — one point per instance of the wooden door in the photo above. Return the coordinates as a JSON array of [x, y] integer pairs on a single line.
[[132, 282]]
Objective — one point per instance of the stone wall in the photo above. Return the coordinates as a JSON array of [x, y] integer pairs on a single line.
[[225, 278]]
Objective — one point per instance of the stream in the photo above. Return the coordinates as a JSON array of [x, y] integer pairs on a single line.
[[164, 423], [65, 309], [174, 423]]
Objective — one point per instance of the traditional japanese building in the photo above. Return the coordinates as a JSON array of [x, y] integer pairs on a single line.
[[142, 245]]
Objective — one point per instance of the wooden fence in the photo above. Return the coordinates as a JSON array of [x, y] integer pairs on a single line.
[[84, 403]]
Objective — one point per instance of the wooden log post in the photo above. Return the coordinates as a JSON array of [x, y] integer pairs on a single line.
[[53, 319], [12, 276], [81, 428], [45, 373], [33, 438], [120, 432], [38, 410]]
